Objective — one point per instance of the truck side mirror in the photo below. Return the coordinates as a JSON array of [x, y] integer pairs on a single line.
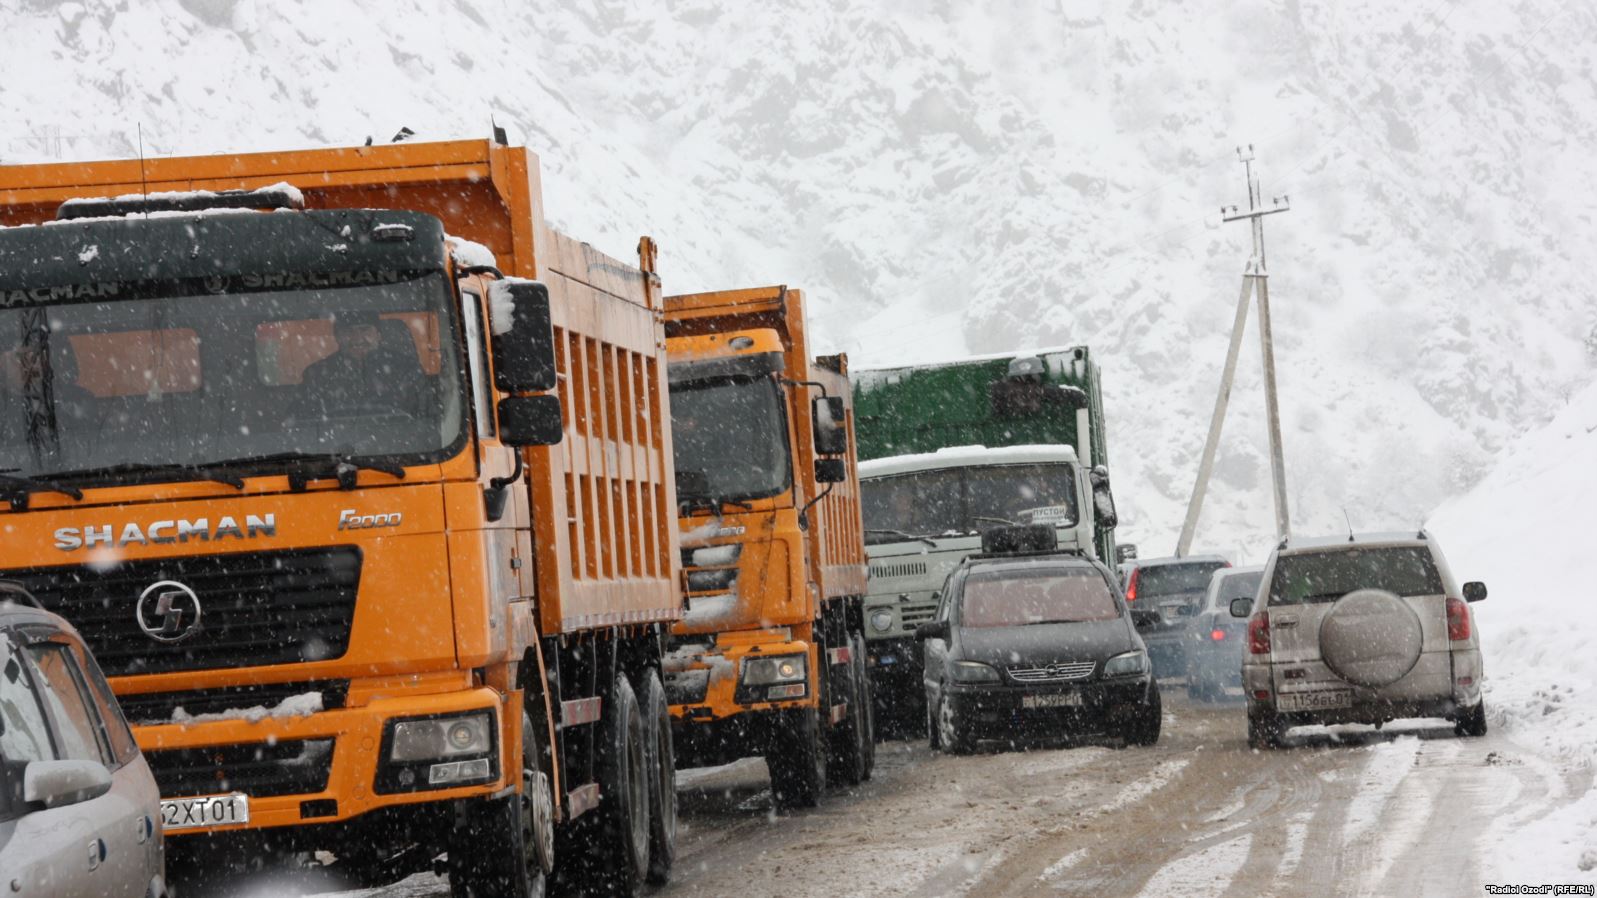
[[530, 421], [523, 336], [830, 470], [1103, 500], [831, 427], [1474, 591]]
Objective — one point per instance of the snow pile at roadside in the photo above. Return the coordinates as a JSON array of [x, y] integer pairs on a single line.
[[1527, 531]]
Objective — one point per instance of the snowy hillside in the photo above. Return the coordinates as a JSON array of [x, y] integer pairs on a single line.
[[1527, 531], [945, 182]]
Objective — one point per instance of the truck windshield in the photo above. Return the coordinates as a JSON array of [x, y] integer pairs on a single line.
[[965, 500], [730, 439], [140, 388]]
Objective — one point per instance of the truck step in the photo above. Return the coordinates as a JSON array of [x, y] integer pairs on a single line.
[[579, 711], [581, 800], [842, 655]]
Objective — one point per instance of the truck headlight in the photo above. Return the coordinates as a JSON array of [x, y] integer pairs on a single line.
[[882, 620], [778, 669], [447, 737], [973, 672], [1128, 664]]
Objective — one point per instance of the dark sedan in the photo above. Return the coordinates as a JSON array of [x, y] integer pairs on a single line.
[[1036, 646]]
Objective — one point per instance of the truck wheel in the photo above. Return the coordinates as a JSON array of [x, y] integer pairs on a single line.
[[622, 817], [797, 760], [849, 738], [505, 846], [1473, 721], [867, 703], [1149, 719], [662, 781], [1264, 729], [934, 732]]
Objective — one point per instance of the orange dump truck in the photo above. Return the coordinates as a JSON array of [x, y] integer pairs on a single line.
[[356, 478], [769, 656]]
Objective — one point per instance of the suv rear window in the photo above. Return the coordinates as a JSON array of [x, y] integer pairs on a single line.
[[1237, 586], [1328, 576], [1176, 579]]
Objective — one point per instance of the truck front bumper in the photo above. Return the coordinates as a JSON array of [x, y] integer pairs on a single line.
[[715, 716], [325, 767]]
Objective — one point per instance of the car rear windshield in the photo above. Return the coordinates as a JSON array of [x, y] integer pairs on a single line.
[[1328, 576], [1019, 598], [1176, 579], [1237, 586]]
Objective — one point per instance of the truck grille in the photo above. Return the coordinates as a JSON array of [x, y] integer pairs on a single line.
[[913, 616], [257, 608], [258, 769], [905, 569], [153, 708], [1053, 673]]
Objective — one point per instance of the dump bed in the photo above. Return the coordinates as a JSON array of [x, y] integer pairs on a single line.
[[603, 522]]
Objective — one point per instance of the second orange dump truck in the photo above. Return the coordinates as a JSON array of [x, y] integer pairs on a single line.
[[769, 657], [376, 540]]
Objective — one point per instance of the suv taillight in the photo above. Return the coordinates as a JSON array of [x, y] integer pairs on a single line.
[[1259, 634], [1131, 586], [1457, 620]]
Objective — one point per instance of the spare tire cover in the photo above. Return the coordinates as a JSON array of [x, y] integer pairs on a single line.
[[1370, 637]]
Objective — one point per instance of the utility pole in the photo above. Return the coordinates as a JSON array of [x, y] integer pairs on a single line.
[[1255, 283]]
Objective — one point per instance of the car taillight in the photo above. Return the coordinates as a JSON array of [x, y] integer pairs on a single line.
[[1259, 634], [1131, 587], [1457, 620], [1217, 635]]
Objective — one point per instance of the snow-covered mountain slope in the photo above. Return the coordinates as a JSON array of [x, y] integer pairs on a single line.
[[1526, 531], [952, 176]]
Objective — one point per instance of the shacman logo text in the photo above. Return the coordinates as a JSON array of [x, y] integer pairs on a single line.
[[164, 532]]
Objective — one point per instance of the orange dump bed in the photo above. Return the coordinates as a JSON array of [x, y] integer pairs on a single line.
[[603, 500]]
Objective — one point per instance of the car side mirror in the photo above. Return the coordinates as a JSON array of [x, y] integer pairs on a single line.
[[1474, 591], [831, 425], [523, 336], [937, 629], [1125, 552], [1142, 618], [1241, 607], [830, 470], [55, 784], [530, 421]]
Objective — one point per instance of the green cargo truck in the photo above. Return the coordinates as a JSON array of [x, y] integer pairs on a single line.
[[950, 449]]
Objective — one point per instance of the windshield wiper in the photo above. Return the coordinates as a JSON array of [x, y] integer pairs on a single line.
[[685, 505], [891, 532], [23, 487], [305, 467], [204, 472]]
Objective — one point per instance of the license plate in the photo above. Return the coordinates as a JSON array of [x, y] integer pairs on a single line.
[[1057, 700], [1315, 701], [201, 813], [887, 660]]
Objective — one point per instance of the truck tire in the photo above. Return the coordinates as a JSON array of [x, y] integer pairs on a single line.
[[1264, 729], [796, 759], [1472, 722], [850, 737], [662, 781], [505, 847], [934, 733], [867, 702], [622, 818]]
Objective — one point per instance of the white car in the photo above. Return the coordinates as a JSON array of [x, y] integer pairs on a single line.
[[1360, 629], [79, 810]]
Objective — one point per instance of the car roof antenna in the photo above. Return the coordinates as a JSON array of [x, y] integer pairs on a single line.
[[1349, 524]]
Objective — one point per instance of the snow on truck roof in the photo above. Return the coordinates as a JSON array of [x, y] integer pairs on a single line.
[[965, 457], [868, 377]]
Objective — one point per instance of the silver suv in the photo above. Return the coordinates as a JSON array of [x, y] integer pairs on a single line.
[[79, 809], [1360, 629]]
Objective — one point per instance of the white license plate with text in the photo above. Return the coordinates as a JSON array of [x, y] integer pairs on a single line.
[[1315, 701], [1057, 700], [211, 810]]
